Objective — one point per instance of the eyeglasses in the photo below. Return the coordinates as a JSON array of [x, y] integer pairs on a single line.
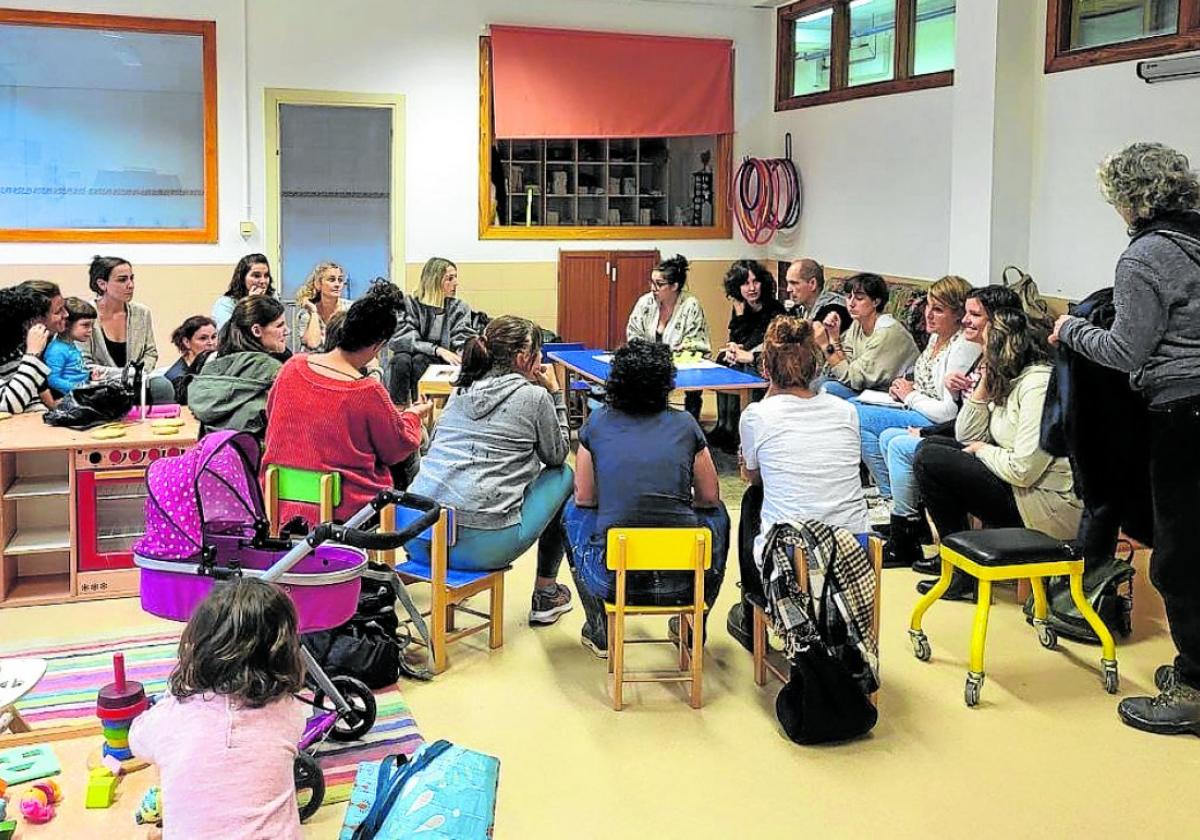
[[659, 284]]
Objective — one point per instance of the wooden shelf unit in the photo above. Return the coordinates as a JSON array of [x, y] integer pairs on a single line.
[[538, 160]]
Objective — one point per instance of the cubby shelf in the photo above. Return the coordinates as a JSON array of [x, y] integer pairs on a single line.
[[34, 487], [39, 541]]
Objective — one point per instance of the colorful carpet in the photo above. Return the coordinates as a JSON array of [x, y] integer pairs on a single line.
[[75, 672]]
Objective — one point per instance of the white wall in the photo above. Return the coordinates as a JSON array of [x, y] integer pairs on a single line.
[[1082, 116], [876, 176], [426, 50]]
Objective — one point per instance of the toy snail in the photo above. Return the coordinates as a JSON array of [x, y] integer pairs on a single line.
[[37, 806]]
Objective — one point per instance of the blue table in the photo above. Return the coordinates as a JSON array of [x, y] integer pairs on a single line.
[[585, 363]]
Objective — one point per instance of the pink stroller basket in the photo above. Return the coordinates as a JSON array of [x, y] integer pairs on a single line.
[[203, 514]]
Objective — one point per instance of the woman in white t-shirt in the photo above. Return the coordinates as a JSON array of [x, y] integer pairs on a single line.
[[800, 453]]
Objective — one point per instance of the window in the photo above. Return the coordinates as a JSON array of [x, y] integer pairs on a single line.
[[834, 50], [1085, 33], [334, 186], [117, 144]]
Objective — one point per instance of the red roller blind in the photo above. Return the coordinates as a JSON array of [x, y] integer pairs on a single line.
[[550, 83]]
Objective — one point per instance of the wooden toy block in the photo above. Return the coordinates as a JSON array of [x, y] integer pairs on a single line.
[[100, 773], [100, 792], [112, 765], [24, 764], [7, 828]]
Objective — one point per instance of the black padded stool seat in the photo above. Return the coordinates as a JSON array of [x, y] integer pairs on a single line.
[[1009, 546]]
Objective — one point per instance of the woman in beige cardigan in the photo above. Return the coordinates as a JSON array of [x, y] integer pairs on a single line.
[[124, 332], [996, 470]]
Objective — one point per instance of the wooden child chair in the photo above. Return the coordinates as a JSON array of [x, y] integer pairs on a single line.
[[450, 589], [658, 550], [293, 484], [761, 653]]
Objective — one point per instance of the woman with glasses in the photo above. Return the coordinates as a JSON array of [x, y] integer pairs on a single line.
[[669, 315], [318, 300]]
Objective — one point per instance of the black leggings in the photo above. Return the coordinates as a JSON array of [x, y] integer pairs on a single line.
[[405, 372], [749, 524], [955, 484]]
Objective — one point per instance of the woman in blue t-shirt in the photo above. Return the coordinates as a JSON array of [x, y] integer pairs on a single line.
[[640, 463]]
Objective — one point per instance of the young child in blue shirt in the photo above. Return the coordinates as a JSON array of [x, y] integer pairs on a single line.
[[62, 356]]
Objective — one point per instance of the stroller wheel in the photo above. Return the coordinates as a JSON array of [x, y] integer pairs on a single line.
[[356, 721], [310, 784]]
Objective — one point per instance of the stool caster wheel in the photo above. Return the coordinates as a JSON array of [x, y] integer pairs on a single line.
[[1046, 634], [920, 644], [973, 687], [1112, 678]]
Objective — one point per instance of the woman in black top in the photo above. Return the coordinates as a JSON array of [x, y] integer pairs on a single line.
[[751, 288]]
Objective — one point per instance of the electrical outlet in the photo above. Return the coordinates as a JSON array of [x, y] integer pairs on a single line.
[[247, 229]]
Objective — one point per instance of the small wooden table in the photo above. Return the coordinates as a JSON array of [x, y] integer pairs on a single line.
[[437, 383]]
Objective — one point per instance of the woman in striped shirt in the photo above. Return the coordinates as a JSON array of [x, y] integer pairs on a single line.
[[23, 339]]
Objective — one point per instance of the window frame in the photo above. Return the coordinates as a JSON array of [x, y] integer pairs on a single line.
[[207, 31], [722, 162], [903, 80], [1060, 56]]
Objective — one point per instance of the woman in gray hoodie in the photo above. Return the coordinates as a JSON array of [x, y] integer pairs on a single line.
[[1155, 338], [498, 457]]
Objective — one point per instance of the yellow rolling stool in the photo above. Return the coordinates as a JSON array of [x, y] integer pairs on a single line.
[[1011, 554]]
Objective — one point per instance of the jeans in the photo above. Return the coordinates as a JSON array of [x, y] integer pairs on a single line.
[[873, 421], [595, 583], [832, 386], [404, 372], [955, 484], [899, 448], [1175, 489], [480, 549]]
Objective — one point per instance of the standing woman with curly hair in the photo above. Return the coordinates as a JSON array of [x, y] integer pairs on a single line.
[[640, 463], [251, 276], [672, 316], [318, 300], [1155, 337]]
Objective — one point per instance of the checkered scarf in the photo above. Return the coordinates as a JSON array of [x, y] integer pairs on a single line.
[[838, 569]]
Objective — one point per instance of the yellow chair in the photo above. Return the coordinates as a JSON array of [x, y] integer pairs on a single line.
[[658, 550], [759, 649], [293, 484], [450, 588], [1011, 554]]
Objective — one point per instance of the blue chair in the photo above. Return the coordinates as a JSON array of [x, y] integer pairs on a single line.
[[570, 384], [450, 588]]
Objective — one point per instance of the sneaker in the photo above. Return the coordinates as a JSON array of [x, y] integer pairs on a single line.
[[546, 607], [599, 649], [740, 625], [1174, 712], [1164, 677]]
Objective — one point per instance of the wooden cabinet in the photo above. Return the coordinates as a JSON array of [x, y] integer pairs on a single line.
[[597, 291]]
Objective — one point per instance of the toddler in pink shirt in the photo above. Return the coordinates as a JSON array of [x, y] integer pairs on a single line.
[[224, 738]]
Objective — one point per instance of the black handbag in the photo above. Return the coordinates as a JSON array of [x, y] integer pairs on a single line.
[[825, 700], [96, 403]]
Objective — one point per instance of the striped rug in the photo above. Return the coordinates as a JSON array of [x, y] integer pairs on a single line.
[[76, 672]]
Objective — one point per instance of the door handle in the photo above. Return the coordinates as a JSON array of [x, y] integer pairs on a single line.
[[120, 475], [614, 274]]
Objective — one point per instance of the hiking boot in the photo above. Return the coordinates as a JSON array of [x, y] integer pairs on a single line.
[[740, 625], [962, 587], [1174, 712], [1164, 677], [598, 647], [673, 630], [546, 607]]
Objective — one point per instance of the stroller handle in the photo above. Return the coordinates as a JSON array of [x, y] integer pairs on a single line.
[[382, 540]]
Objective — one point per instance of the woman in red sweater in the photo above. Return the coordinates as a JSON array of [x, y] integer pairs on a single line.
[[326, 414]]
